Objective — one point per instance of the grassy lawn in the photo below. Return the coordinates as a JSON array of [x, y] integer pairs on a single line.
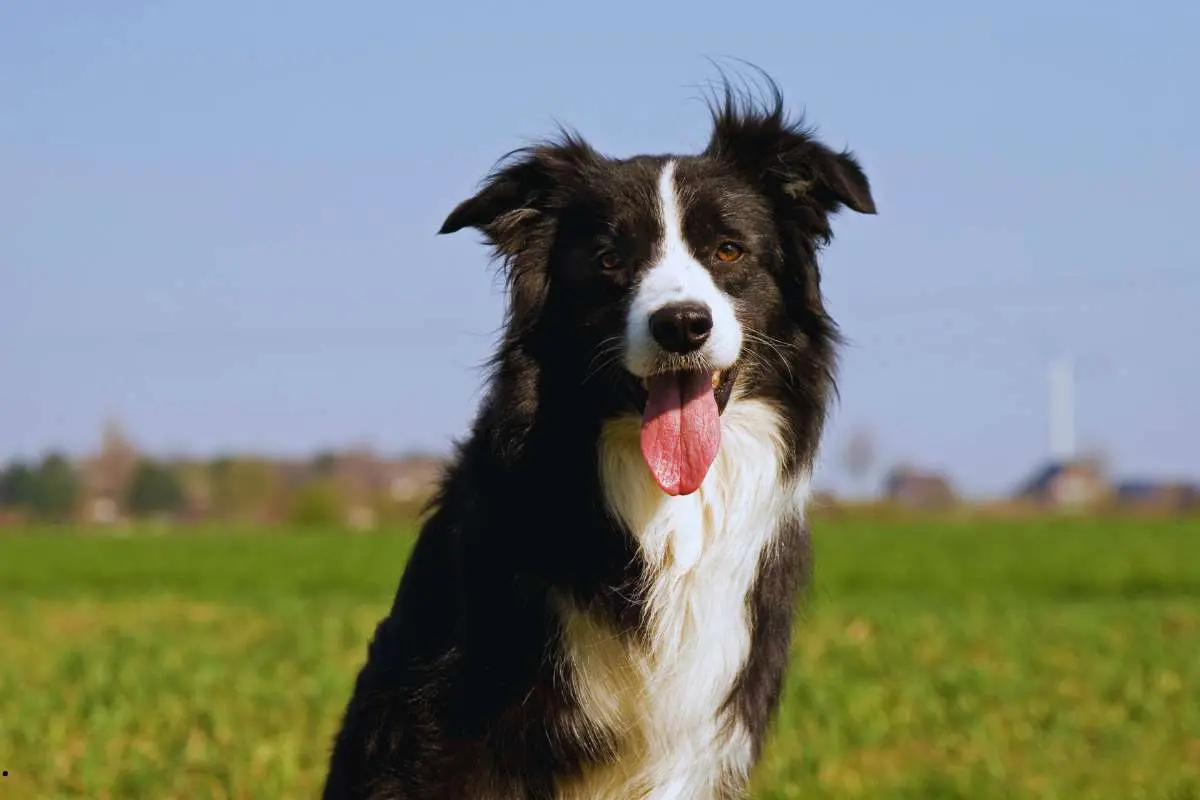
[[1014, 659]]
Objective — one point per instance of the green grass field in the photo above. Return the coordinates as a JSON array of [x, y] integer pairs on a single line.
[[1030, 659]]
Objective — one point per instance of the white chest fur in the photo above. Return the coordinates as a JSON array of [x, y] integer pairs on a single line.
[[664, 700]]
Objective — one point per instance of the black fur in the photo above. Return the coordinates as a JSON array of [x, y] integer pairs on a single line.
[[461, 694]]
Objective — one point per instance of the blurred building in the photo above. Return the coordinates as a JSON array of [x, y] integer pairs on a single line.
[[1074, 483], [106, 476], [919, 489], [1166, 496]]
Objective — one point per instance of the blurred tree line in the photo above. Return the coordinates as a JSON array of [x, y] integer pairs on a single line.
[[354, 487], [51, 489], [47, 490]]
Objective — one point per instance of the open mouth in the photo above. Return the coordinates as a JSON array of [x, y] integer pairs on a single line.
[[681, 425], [721, 382]]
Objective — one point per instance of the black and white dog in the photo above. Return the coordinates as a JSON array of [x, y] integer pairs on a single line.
[[601, 600]]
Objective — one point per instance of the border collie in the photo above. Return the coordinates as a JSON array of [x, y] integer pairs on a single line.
[[600, 601]]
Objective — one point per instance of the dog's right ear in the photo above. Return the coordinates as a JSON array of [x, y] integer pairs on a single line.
[[513, 190], [516, 196]]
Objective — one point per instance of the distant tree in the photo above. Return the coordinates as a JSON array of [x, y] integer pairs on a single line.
[[323, 464], [196, 480], [154, 489], [243, 487], [16, 485], [859, 456], [55, 488], [316, 505]]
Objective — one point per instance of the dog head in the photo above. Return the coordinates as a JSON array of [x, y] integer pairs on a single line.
[[670, 286]]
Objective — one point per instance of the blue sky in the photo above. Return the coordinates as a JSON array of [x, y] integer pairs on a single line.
[[219, 218]]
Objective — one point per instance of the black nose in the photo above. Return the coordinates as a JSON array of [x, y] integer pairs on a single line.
[[681, 327]]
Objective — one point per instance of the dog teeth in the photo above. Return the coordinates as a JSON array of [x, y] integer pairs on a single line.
[[716, 381]]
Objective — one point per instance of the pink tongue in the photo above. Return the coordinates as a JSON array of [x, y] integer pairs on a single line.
[[681, 430]]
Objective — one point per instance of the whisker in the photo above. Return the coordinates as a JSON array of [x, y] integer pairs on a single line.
[[778, 347], [607, 353]]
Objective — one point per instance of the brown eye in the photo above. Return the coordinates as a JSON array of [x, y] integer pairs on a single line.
[[729, 252], [610, 261]]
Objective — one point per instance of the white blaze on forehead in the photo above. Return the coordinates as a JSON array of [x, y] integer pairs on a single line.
[[677, 277]]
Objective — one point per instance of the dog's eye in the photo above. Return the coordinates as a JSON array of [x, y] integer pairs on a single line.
[[609, 260], [728, 252]]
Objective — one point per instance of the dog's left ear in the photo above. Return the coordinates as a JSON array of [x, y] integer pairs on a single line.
[[785, 160], [840, 180]]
